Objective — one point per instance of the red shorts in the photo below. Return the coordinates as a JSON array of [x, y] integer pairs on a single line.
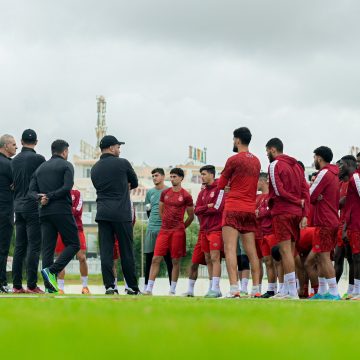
[[173, 241], [354, 237], [268, 242], [60, 245], [244, 222], [116, 250], [211, 241], [258, 243], [324, 239], [198, 256], [286, 227]]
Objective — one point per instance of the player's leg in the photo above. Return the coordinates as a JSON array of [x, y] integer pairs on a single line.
[[248, 240], [339, 257], [230, 238], [174, 275], [21, 244], [148, 260], [84, 271], [349, 258], [168, 262], [328, 271], [271, 276]]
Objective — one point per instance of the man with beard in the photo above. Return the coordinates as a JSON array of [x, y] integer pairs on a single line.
[[173, 204], [289, 203], [347, 166], [352, 223], [324, 195], [241, 174]]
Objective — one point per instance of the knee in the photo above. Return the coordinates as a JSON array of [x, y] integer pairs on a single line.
[[175, 262], [81, 257], [215, 258], [156, 260], [275, 253], [268, 261]]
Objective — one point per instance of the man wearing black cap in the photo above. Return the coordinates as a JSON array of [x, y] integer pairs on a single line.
[[7, 150], [112, 177], [28, 232], [51, 185]]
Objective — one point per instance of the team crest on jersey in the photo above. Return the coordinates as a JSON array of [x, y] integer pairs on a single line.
[[181, 198], [166, 197], [212, 194]]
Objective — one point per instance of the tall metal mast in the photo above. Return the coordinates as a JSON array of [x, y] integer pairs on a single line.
[[101, 121]]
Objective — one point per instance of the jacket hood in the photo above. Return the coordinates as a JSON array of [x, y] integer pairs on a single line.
[[333, 168], [286, 158], [213, 185]]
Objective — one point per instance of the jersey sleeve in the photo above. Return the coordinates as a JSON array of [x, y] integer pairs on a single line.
[[189, 200], [200, 208], [162, 196], [77, 205], [225, 175], [219, 203], [318, 186]]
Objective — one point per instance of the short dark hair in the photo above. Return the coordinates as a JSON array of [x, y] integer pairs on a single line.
[[158, 170], [324, 152], [209, 168], [244, 134], [275, 143], [264, 175], [350, 160], [58, 146], [301, 164], [178, 171]]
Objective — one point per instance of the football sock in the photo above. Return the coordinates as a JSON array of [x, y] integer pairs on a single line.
[[150, 285], [272, 287], [356, 287], [84, 280], [173, 287], [191, 285], [61, 284], [215, 284], [322, 286], [244, 284], [333, 287]]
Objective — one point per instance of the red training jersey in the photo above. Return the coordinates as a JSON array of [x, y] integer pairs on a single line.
[[352, 206], [343, 192], [175, 204], [263, 218], [324, 195], [241, 173], [210, 217]]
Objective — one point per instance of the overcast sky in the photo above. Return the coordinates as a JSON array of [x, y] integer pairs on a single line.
[[179, 73]]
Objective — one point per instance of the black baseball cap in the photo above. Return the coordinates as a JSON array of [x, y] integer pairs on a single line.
[[109, 140], [29, 135]]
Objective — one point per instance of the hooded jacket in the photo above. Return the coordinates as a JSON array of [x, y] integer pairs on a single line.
[[287, 187], [324, 195], [352, 205], [210, 217]]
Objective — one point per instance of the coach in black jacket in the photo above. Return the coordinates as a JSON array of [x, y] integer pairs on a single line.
[[112, 177], [28, 232], [51, 185], [7, 150]]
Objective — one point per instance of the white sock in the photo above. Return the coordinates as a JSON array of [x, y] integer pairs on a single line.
[[333, 287], [255, 289], [356, 287], [297, 284], [244, 284], [215, 284], [350, 289], [126, 285], [173, 287], [115, 284], [61, 284], [234, 288], [260, 285], [210, 284], [290, 281], [84, 280], [281, 288], [322, 286], [272, 287], [150, 285], [312, 291], [191, 285]]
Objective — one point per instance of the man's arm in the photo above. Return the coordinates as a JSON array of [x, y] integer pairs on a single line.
[[225, 175], [77, 206], [218, 205], [34, 190], [161, 209], [190, 216], [278, 185], [200, 208], [68, 184], [132, 177], [318, 186], [147, 204]]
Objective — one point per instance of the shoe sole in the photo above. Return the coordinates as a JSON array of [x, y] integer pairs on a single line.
[[47, 282]]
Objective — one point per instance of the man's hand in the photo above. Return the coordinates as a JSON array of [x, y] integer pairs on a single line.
[[210, 205], [227, 189], [320, 198], [44, 200], [303, 223], [302, 202]]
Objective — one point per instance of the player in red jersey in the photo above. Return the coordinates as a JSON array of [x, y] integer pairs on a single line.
[[241, 174], [77, 209], [264, 232], [324, 195], [347, 165], [289, 203], [209, 206], [173, 204], [352, 224]]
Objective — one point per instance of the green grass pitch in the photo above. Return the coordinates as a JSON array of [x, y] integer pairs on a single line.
[[177, 328]]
